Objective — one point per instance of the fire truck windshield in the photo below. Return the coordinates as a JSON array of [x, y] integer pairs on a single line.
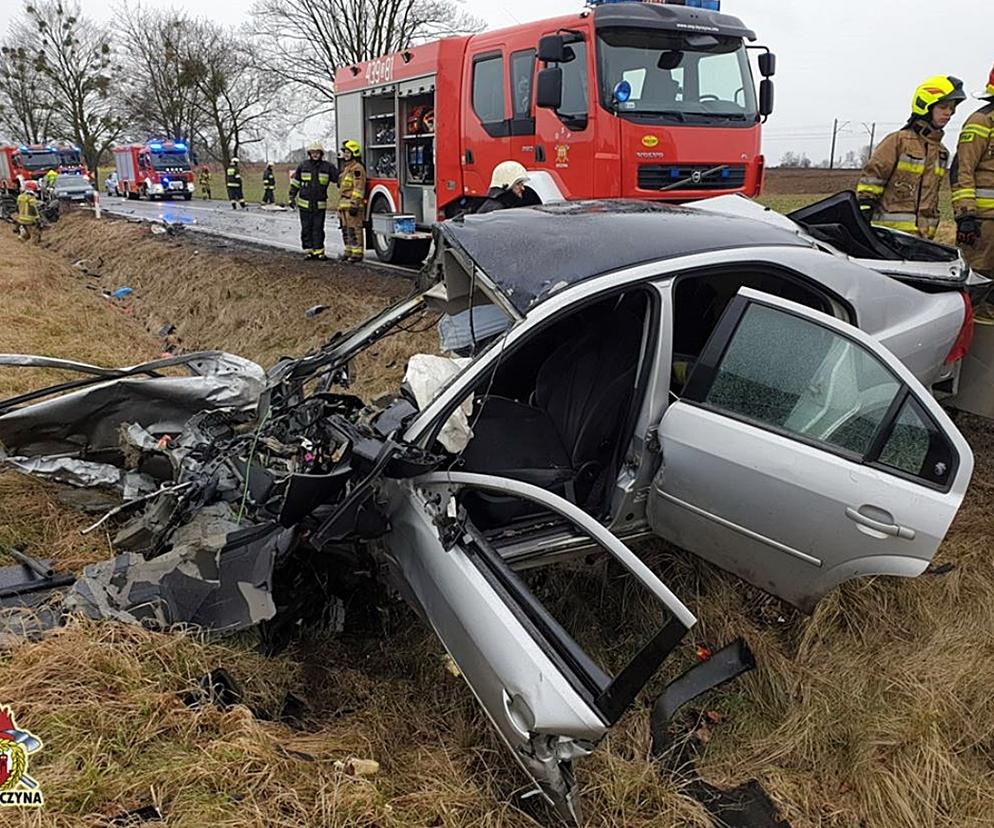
[[171, 160], [42, 160], [671, 76], [69, 158]]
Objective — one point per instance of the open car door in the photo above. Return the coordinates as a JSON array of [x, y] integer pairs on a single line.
[[803, 454], [548, 698]]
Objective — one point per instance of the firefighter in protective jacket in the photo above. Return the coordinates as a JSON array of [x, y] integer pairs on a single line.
[[269, 185], [233, 181], [205, 182], [900, 184], [28, 216], [352, 201], [309, 188], [973, 186]]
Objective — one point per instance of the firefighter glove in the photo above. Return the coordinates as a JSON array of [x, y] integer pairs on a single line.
[[354, 210], [866, 208], [967, 231]]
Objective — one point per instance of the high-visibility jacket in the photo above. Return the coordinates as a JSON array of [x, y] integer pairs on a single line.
[[233, 177], [310, 183], [903, 178], [972, 176], [352, 186], [205, 178], [27, 208]]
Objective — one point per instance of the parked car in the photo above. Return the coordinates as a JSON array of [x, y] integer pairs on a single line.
[[73, 187], [722, 378]]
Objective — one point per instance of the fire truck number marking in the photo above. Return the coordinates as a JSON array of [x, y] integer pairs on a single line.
[[380, 70]]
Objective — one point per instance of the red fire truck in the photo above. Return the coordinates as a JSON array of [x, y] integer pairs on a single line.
[[620, 100], [71, 161], [23, 163], [155, 170]]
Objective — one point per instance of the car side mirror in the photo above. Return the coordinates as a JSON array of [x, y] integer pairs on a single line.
[[767, 64], [766, 97], [551, 48], [549, 88]]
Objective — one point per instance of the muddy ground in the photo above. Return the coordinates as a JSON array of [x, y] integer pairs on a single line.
[[874, 713]]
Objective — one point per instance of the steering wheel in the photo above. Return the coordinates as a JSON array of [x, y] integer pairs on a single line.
[[703, 98]]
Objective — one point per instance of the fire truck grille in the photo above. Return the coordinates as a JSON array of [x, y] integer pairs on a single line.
[[694, 177]]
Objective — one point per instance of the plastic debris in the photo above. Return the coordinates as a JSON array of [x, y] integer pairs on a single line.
[[122, 292]]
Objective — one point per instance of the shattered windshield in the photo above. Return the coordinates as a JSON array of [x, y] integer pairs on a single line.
[[685, 78], [171, 160]]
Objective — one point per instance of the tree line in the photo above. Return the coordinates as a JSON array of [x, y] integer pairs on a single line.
[[154, 71]]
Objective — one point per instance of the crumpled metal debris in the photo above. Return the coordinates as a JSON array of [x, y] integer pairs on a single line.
[[245, 492]]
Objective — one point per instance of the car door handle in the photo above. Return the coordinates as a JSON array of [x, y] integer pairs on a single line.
[[469, 156], [893, 529], [539, 153]]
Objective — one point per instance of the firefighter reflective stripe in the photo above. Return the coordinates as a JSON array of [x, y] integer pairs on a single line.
[[305, 176], [305, 204], [964, 193], [323, 179], [870, 186], [972, 131], [907, 222], [940, 170], [985, 198], [910, 164]]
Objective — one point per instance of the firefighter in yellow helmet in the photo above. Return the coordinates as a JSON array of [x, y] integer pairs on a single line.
[[972, 181], [352, 201], [309, 187], [900, 184], [28, 216]]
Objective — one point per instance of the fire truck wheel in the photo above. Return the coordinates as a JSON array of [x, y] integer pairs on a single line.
[[133, 196]]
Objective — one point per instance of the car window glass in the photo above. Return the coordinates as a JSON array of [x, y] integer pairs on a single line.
[[522, 73], [575, 88], [794, 375], [488, 89], [916, 446]]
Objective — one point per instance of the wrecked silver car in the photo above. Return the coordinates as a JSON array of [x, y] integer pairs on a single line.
[[761, 401]]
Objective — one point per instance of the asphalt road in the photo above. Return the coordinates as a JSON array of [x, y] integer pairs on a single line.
[[280, 228]]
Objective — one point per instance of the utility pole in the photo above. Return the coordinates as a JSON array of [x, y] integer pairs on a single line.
[[836, 128], [871, 130], [831, 155]]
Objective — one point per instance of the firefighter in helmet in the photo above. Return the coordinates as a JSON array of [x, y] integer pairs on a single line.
[[233, 181], [352, 201], [900, 184], [205, 182], [508, 188], [973, 185], [268, 185], [309, 188], [28, 216]]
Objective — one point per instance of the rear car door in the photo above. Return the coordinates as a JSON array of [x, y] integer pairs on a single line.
[[801, 454], [550, 701]]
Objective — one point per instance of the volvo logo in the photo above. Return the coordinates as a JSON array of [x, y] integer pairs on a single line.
[[696, 176]]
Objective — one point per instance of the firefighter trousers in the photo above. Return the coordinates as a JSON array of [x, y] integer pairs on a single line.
[[980, 255], [30, 231], [235, 196], [312, 230], [351, 234], [205, 191], [269, 195]]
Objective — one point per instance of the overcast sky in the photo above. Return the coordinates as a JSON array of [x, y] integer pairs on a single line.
[[857, 60]]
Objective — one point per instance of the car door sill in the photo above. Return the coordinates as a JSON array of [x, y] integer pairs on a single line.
[[803, 556], [527, 551]]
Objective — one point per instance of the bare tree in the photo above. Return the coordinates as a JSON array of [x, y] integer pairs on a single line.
[[303, 42], [26, 97], [160, 96], [235, 98], [77, 60]]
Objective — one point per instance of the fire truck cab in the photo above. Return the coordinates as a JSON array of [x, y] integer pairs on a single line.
[[24, 163], [71, 161], [649, 100], [155, 170]]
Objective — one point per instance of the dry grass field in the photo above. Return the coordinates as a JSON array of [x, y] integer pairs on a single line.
[[876, 712]]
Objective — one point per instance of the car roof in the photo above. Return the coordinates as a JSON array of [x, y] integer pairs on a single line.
[[529, 253]]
